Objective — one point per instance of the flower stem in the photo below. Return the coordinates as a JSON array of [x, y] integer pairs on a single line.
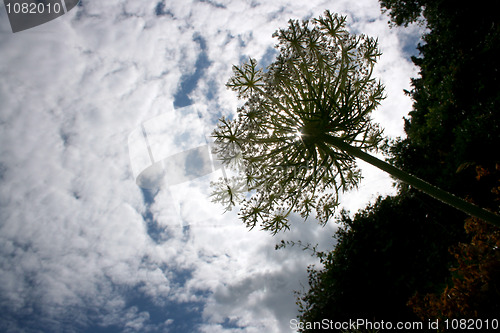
[[416, 182]]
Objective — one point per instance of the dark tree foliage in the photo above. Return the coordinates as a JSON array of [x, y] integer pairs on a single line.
[[403, 12], [399, 245], [454, 121], [473, 289], [383, 255]]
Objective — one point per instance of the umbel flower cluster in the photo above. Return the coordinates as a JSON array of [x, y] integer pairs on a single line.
[[319, 90]]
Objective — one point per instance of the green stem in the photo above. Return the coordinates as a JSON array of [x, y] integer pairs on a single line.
[[416, 182]]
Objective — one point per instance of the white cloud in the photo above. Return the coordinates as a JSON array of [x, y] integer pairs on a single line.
[[73, 237]]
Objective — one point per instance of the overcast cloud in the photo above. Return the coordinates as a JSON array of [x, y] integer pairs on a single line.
[[83, 248]]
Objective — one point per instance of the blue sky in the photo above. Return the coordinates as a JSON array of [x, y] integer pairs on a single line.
[[83, 247]]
